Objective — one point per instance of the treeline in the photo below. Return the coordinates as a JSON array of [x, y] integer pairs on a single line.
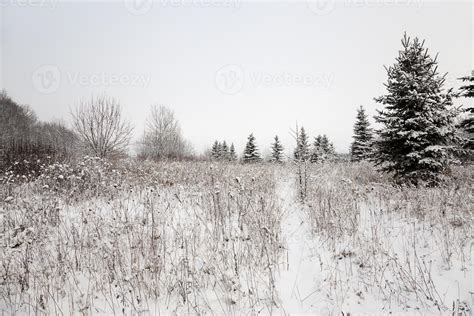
[[98, 128], [24, 140], [420, 135]]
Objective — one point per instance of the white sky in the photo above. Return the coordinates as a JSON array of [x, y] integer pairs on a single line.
[[227, 68]]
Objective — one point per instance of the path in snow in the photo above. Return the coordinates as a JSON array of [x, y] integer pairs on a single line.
[[300, 272]]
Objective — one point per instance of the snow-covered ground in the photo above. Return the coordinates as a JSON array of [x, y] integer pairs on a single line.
[[300, 275], [231, 239], [390, 264]]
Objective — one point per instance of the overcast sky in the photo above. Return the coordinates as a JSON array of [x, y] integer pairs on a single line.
[[227, 68]]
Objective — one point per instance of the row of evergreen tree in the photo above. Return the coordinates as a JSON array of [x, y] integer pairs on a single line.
[[320, 150], [221, 151]]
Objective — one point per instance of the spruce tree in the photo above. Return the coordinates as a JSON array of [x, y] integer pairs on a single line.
[[297, 138], [327, 146], [416, 140], [216, 150], [322, 149], [232, 153], [361, 147], [224, 151], [467, 124], [302, 146], [277, 151], [331, 150], [251, 153], [317, 152]]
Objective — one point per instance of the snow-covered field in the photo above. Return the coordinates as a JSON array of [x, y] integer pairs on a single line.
[[363, 247], [217, 238]]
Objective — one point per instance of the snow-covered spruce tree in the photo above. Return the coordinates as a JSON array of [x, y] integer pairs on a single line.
[[232, 153], [316, 150], [302, 146], [322, 149], [251, 153], [277, 151], [302, 161], [224, 153], [416, 140], [327, 146], [331, 150], [216, 150], [361, 147], [467, 124]]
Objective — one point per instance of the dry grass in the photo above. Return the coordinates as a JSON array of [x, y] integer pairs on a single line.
[[205, 238], [392, 240], [133, 238]]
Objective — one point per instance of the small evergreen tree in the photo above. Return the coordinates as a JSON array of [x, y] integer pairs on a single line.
[[361, 147], [327, 146], [297, 138], [301, 161], [418, 133], [232, 153], [216, 150], [331, 150], [302, 146], [251, 153], [322, 149], [224, 151], [467, 124], [317, 152], [277, 151]]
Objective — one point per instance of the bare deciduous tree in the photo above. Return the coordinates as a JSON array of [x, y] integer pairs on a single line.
[[56, 136], [162, 137], [25, 141], [16, 121], [100, 126]]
